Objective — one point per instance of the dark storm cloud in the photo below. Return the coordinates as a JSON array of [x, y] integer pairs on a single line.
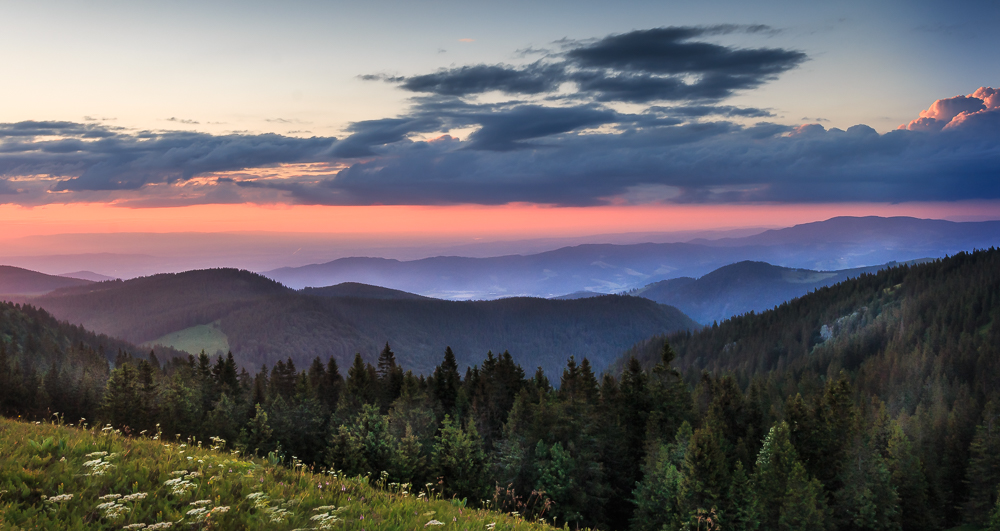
[[91, 157], [669, 51], [532, 79], [661, 64]]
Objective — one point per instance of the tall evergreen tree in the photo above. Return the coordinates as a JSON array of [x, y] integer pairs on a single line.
[[447, 381]]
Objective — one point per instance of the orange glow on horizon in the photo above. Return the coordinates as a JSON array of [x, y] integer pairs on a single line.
[[451, 222]]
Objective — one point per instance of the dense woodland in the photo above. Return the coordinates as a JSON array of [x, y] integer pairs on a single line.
[[871, 404]]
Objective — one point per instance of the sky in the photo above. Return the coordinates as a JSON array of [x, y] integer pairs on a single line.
[[463, 121]]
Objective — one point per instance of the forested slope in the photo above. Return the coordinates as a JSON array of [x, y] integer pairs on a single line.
[[924, 340]]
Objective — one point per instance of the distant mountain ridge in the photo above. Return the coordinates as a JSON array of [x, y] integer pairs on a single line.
[[835, 244], [744, 287], [18, 281], [264, 321]]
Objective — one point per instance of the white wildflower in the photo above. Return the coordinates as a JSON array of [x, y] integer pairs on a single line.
[[136, 496], [135, 526], [178, 472], [433, 522], [96, 454], [58, 499], [110, 497], [199, 503]]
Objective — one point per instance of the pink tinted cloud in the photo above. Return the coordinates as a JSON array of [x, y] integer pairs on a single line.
[[953, 112]]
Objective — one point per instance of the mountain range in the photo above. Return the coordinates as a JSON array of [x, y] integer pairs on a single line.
[[835, 244]]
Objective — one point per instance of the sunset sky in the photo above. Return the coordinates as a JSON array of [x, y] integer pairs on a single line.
[[459, 121]]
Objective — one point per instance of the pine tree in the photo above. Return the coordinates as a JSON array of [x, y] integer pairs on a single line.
[[345, 453], [557, 479], [866, 499], [360, 384], [257, 435], [776, 463], [907, 474], [447, 381], [458, 460], [409, 464], [390, 378], [984, 466], [706, 478], [656, 496], [743, 512], [122, 399], [803, 507]]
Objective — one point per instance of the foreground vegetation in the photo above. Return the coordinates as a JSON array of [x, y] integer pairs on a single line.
[[58, 477], [871, 405]]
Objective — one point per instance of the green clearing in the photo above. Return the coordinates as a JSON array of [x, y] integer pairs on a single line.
[[209, 337], [58, 477]]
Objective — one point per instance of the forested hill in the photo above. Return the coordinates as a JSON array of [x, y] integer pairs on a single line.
[[146, 308], [264, 322], [18, 281], [923, 339], [925, 317]]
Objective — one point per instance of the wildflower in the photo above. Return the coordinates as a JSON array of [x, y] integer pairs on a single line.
[[135, 526], [161, 525], [199, 503], [433, 522], [136, 496], [96, 454], [58, 499], [491, 526], [110, 497], [178, 472]]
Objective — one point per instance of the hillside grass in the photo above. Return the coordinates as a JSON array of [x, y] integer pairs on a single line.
[[60, 477], [207, 337]]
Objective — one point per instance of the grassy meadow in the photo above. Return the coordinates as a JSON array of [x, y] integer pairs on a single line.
[[54, 476], [207, 337]]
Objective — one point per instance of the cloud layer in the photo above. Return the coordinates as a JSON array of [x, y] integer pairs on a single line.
[[560, 138]]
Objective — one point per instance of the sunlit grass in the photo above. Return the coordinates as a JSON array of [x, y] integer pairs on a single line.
[[62, 477]]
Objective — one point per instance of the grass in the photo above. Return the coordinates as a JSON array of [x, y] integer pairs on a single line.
[[60, 477], [207, 337]]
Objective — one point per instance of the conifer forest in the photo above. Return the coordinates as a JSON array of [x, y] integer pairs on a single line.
[[872, 404]]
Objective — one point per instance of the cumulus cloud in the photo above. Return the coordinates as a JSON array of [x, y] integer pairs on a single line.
[[660, 64], [952, 112]]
